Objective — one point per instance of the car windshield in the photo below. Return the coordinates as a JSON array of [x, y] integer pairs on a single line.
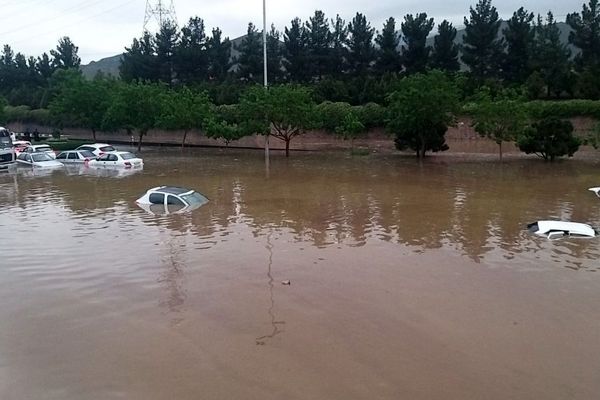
[[43, 148], [87, 154], [194, 198], [38, 157], [107, 148], [5, 140], [127, 156]]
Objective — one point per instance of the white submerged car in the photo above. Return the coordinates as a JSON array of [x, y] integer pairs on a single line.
[[38, 160], [170, 199], [97, 148], [75, 156], [123, 159], [39, 148], [595, 190], [556, 229]]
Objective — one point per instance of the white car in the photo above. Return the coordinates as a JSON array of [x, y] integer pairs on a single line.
[[117, 159], [595, 190], [20, 145], [39, 148], [555, 229], [97, 148], [170, 199], [41, 160], [75, 156]]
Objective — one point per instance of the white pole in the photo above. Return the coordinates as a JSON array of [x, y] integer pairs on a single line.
[[266, 81]]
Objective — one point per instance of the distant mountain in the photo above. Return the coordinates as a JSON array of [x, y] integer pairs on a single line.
[[110, 65]]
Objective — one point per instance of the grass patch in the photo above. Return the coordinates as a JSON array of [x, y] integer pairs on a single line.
[[360, 151]]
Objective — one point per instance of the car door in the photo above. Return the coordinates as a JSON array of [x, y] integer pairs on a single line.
[[113, 159], [73, 158], [103, 159]]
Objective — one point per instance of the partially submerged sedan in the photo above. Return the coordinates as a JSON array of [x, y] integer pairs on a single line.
[[75, 156], [117, 159], [40, 148], [556, 229], [38, 160], [170, 199]]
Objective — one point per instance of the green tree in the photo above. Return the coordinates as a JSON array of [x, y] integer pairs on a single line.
[[501, 120], [550, 57], [219, 55], [250, 60], [65, 56], [338, 60], [585, 34], [420, 111], [445, 51], [274, 56], [296, 51], [549, 139], [135, 107], [388, 57], [191, 54], [167, 41], [184, 110], [139, 61], [482, 49], [519, 35], [283, 111], [350, 128], [3, 104], [415, 55], [361, 52], [318, 38], [82, 103]]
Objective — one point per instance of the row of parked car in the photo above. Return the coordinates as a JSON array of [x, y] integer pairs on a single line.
[[96, 154]]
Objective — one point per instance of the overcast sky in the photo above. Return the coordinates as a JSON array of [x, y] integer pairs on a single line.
[[102, 28]]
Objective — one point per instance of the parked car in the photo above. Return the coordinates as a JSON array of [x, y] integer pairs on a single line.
[[40, 148], [117, 159], [41, 159], [75, 156], [97, 148], [20, 145], [169, 199]]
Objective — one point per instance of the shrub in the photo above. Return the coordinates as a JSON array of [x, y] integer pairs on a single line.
[[549, 138]]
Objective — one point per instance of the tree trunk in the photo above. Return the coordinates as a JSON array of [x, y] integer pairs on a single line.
[[287, 147], [183, 140], [139, 149], [94, 134], [500, 150]]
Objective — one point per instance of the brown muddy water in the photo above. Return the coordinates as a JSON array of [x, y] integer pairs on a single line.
[[408, 281]]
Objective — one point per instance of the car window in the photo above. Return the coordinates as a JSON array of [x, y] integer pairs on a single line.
[[44, 148], [107, 148], [37, 157], [113, 157], [127, 156], [172, 200], [157, 198], [22, 156], [61, 156], [103, 157], [73, 156], [88, 148]]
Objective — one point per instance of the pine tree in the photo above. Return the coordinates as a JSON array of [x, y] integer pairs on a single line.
[[139, 61], [388, 57], [191, 56], [361, 52], [445, 51], [219, 55], [338, 60], [167, 40], [274, 51], [65, 56], [482, 49], [519, 36], [250, 60], [295, 51], [586, 34], [318, 41], [415, 55]]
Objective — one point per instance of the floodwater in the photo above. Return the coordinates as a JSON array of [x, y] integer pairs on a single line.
[[407, 280]]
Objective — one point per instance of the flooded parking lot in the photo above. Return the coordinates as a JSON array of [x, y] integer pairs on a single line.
[[406, 280]]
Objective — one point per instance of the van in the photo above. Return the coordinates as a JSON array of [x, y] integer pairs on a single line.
[[7, 152]]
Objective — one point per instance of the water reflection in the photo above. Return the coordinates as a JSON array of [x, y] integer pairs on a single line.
[[477, 209]]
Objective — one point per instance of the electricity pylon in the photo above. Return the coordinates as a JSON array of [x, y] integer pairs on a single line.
[[159, 12]]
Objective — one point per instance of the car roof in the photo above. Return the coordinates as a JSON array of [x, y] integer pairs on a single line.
[[122, 152], [95, 144], [172, 190], [35, 146], [573, 228]]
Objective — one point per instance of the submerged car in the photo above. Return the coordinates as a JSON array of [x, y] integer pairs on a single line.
[[21, 145], [41, 160], [39, 148], [555, 229], [595, 190], [97, 148], [118, 159], [7, 153], [170, 199], [75, 156]]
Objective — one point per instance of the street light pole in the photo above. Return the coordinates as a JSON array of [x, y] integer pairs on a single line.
[[266, 81]]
